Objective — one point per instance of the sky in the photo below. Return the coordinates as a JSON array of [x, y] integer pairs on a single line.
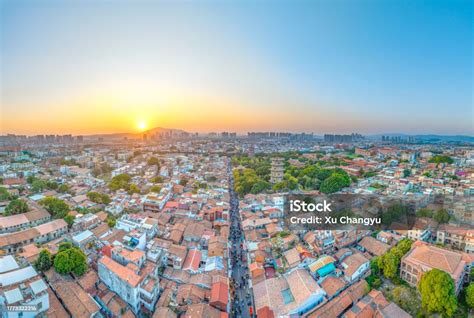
[[367, 66]]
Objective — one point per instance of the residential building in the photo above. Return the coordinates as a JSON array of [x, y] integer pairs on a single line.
[[21, 287], [424, 257]]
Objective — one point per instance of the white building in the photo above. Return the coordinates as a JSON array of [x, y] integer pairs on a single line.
[[21, 287], [136, 286]]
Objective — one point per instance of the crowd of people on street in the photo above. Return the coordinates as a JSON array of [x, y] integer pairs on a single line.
[[242, 305]]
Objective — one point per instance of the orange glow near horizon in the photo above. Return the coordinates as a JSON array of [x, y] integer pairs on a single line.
[[141, 125]]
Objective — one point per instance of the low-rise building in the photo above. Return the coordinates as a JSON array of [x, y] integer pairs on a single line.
[[355, 266], [424, 257], [21, 287]]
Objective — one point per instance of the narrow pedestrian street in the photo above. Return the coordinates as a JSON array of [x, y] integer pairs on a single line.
[[242, 295]]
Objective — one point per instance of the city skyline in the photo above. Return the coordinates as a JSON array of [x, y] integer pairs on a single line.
[[340, 67]]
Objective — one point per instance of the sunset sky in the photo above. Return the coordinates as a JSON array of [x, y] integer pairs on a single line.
[[85, 67]]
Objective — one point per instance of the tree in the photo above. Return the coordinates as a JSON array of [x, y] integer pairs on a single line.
[[157, 179], [57, 207], [424, 212], [441, 159], [155, 188], [259, 186], [441, 216], [390, 265], [69, 220], [52, 185], [63, 188], [70, 260], [38, 185], [4, 194], [120, 182], [64, 246], [44, 261], [30, 179], [133, 189], [470, 295], [100, 198], [403, 247], [62, 263], [111, 221], [333, 184], [438, 293], [16, 206], [153, 161]]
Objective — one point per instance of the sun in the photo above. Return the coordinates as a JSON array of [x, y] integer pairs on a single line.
[[141, 125]]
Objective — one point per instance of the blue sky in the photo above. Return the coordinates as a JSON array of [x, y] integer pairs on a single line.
[[315, 66]]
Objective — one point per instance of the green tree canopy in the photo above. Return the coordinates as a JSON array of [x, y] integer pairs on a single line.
[[38, 185], [333, 184], [441, 159], [389, 263], [438, 293], [157, 179], [111, 221], [120, 182], [153, 161], [100, 198], [57, 207], [16, 206], [70, 260], [442, 216], [44, 261], [64, 246], [155, 188], [424, 212], [470, 295], [4, 194], [133, 189], [69, 220], [63, 188]]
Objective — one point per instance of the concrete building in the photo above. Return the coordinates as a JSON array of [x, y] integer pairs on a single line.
[[127, 274], [423, 258], [21, 287]]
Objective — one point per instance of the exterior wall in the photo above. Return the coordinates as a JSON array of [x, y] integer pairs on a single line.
[[412, 273], [359, 272], [41, 301], [128, 293]]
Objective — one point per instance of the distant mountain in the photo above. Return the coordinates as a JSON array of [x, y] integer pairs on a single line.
[[138, 135]]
